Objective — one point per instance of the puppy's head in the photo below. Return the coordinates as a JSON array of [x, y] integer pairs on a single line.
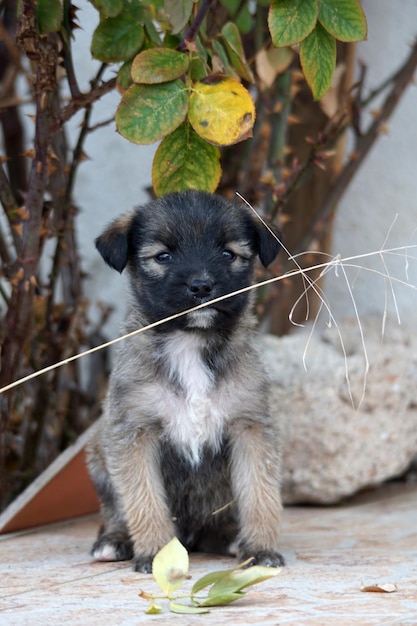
[[185, 249]]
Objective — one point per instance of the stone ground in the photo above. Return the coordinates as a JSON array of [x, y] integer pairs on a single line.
[[47, 576]]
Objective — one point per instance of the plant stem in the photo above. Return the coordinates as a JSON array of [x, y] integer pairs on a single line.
[[66, 42], [78, 150], [191, 33], [279, 126]]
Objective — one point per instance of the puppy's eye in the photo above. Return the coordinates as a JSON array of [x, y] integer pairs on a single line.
[[163, 257], [228, 255]]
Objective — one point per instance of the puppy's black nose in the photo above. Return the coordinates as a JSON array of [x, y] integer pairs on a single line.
[[201, 287]]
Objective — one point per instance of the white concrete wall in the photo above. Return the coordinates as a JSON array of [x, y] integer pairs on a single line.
[[115, 178]]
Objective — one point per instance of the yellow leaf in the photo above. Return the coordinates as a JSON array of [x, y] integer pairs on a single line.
[[170, 566], [221, 111]]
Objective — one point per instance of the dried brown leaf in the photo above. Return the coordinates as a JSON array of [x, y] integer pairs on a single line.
[[272, 62], [385, 588], [294, 119]]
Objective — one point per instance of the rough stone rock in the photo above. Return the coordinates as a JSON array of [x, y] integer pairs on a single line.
[[332, 447]]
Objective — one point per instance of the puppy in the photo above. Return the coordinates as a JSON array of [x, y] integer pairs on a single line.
[[186, 446]]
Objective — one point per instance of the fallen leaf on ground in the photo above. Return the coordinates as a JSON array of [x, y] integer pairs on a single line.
[[385, 588]]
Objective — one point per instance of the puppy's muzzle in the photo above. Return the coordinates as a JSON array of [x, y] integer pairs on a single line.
[[201, 289]]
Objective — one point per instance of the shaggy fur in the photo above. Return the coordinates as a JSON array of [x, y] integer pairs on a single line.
[[186, 446]]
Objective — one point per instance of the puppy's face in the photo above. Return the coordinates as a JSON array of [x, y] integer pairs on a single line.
[[186, 249]]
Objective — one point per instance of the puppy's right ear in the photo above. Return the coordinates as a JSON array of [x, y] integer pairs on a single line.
[[113, 243], [269, 245]]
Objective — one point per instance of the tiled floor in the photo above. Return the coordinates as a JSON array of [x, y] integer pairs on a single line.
[[47, 577]]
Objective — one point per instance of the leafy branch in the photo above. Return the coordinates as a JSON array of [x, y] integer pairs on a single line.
[[182, 83]]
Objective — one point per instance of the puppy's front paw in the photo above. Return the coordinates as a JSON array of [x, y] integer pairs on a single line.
[[268, 558], [143, 564], [112, 547]]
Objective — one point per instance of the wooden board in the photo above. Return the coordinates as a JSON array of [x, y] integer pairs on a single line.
[[63, 491]]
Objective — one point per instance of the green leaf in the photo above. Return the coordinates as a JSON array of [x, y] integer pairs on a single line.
[[179, 12], [150, 30], [201, 49], [124, 79], [108, 8], [244, 19], [238, 580], [185, 161], [222, 54], [210, 579], [344, 19], [198, 68], [170, 566], [231, 5], [222, 598], [147, 113], [171, 41], [159, 65], [318, 60], [234, 47], [176, 607], [198, 64], [290, 21], [214, 577], [49, 16], [135, 10], [117, 39]]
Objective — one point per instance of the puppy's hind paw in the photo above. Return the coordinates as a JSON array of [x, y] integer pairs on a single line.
[[112, 548], [143, 564], [268, 558]]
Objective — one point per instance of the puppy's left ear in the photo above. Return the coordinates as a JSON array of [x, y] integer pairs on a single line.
[[268, 242], [113, 243]]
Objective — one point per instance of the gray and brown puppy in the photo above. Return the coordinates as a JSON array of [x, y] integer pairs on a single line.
[[186, 446]]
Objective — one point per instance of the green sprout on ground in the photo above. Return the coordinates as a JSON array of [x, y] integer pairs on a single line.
[[170, 568]]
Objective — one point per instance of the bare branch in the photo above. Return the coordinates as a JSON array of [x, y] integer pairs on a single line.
[[10, 206], [86, 100]]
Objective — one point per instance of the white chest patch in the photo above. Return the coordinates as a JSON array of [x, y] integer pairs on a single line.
[[196, 418]]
